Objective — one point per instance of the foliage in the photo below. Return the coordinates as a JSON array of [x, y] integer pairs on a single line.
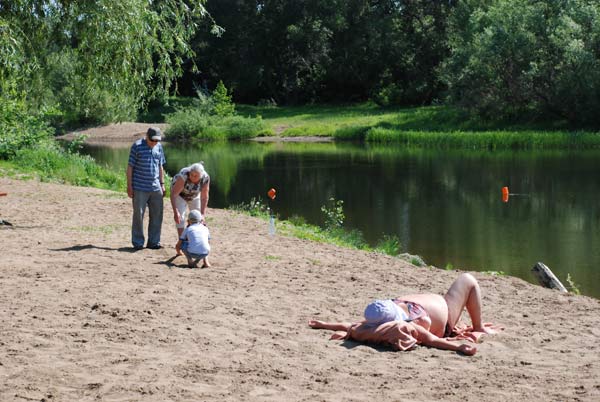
[[334, 213], [390, 245], [223, 106], [295, 52], [537, 58], [193, 124], [75, 145], [256, 207], [50, 162], [487, 139], [97, 61], [572, 285], [19, 127], [212, 117]]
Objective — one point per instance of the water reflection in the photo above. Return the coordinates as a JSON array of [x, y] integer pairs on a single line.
[[443, 204]]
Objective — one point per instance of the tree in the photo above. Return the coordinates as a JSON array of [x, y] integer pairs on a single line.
[[534, 58], [97, 61], [315, 50]]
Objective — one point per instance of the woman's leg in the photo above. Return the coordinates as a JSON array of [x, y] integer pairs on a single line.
[[464, 292], [181, 206]]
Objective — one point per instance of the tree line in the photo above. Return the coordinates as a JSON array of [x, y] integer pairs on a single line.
[[83, 62]]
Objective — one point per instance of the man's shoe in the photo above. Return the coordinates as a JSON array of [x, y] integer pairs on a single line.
[[155, 247], [136, 248]]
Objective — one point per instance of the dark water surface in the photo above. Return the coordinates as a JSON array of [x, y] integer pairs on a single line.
[[444, 205]]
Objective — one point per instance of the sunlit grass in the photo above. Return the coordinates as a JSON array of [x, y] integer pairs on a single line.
[[49, 162], [296, 227], [428, 126]]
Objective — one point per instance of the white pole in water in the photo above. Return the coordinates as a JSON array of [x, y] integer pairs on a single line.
[[272, 225], [272, 194]]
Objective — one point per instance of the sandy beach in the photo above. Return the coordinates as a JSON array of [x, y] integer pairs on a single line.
[[85, 318]]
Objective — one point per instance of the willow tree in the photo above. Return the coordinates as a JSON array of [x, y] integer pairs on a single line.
[[95, 61]]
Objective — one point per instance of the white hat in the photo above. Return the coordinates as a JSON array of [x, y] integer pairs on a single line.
[[195, 216], [381, 311]]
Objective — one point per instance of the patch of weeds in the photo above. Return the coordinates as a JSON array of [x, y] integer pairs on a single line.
[[297, 220], [389, 245], [572, 285], [334, 213], [272, 257], [108, 229], [494, 273], [449, 267], [256, 207]]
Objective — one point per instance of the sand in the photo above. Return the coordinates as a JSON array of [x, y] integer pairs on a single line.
[[85, 318]]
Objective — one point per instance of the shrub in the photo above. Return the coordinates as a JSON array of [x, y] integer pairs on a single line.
[[19, 128], [222, 104]]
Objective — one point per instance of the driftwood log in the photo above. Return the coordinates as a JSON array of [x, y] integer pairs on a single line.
[[547, 278]]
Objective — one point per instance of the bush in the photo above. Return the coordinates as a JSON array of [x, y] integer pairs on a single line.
[[194, 124], [51, 161], [19, 128], [223, 106]]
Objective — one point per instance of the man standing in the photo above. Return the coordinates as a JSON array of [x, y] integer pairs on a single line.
[[146, 186]]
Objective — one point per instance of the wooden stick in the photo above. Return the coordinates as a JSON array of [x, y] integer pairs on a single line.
[[547, 278]]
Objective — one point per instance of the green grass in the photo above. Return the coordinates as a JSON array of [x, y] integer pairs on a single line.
[[50, 162], [319, 120], [429, 126], [297, 227]]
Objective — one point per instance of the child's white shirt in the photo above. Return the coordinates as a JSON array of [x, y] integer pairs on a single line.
[[197, 236]]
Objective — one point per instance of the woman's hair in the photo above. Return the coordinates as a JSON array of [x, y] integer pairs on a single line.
[[198, 167]]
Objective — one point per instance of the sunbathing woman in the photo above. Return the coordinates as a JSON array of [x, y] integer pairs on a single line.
[[426, 319]]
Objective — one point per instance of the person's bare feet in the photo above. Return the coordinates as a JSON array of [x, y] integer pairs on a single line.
[[485, 330]]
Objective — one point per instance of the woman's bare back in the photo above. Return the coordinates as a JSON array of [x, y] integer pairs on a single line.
[[436, 307]]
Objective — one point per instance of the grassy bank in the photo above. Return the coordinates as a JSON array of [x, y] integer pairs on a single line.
[[430, 126], [49, 161], [331, 232]]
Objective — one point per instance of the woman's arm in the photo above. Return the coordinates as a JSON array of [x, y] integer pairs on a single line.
[[175, 190], [333, 326], [428, 339], [204, 197], [341, 328]]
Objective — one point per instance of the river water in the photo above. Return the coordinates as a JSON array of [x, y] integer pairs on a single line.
[[444, 205]]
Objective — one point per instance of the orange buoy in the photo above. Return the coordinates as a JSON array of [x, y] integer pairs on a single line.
[[505, 194], [271, 193]]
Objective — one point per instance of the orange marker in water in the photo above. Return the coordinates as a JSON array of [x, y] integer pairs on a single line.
[[505, 194]]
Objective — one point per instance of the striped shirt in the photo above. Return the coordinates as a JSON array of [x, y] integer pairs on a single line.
[[146, 163]]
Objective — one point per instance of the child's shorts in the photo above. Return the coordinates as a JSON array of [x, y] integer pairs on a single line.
[[194, 256]]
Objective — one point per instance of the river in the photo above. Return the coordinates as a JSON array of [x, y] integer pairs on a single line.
[[444, 205]]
